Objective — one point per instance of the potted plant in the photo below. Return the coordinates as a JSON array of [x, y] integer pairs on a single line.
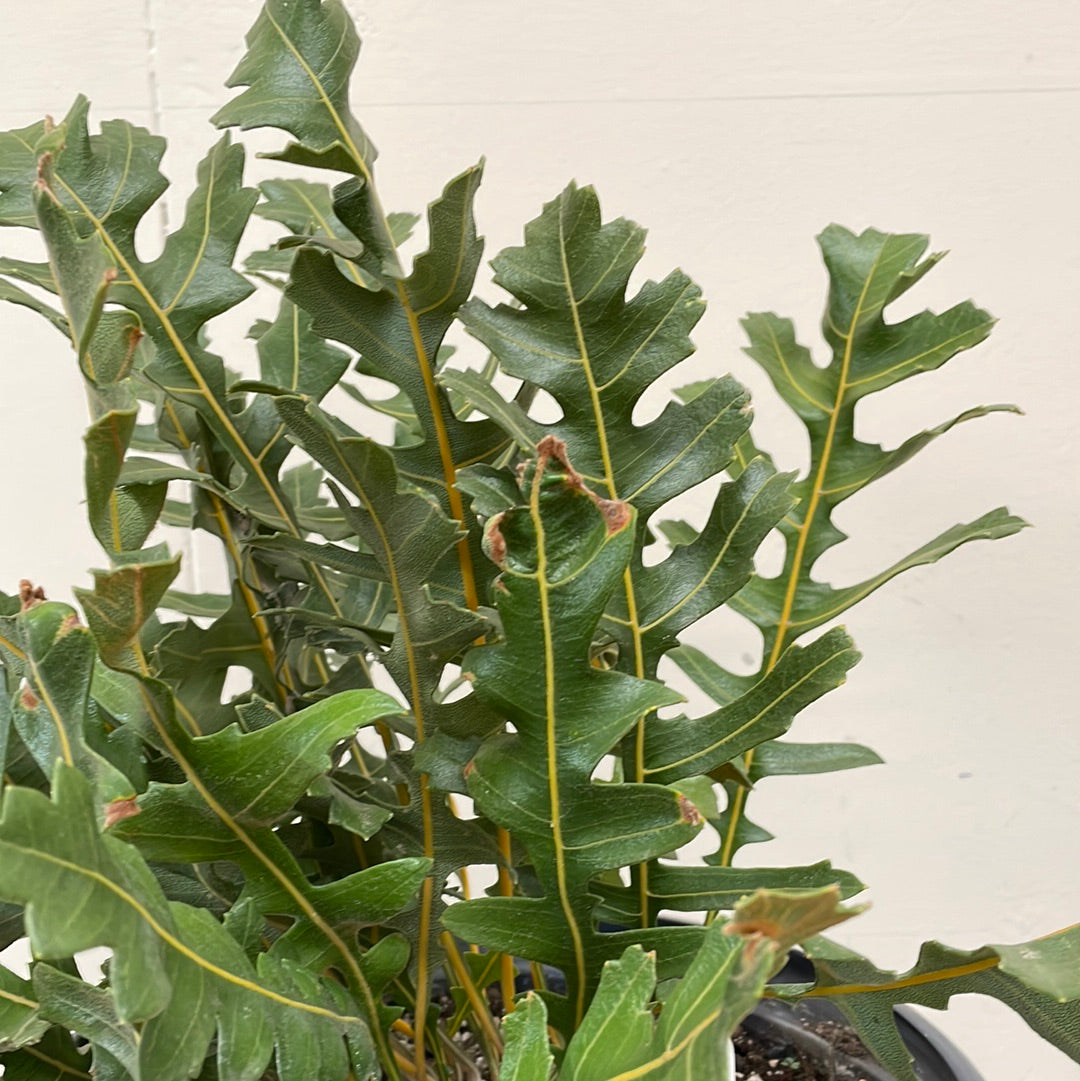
[[449, 639]]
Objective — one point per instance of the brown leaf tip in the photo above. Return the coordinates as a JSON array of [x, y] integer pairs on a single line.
[[616, 514], [687, 810], [27, 699], [44, 176], [494, 543], [553, 449], [118, 809], [749, 928], [29, 594]]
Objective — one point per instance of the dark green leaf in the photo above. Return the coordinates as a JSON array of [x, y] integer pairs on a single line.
[[297, 68], [680, 747], [1037, 979], [567, 714]]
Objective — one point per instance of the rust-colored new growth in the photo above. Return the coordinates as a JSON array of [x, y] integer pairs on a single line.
[[29, 594]]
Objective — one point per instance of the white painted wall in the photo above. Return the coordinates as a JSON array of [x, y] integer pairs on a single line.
[[735, 131]]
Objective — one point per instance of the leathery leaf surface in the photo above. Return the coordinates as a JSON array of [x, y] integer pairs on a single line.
[[628, 1034], [1040, 980], [867, 272], [574, 329], [562, 551], [163, 954]]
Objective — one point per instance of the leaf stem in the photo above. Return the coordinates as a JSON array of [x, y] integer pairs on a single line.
[[480, 1008]]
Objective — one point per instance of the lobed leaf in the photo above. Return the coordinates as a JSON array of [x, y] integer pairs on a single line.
[[867, 272], [300, 57], [1037, 979], [562, 551]]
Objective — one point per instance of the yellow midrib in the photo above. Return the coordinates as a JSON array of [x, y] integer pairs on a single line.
[[671, 1053], [783, 624], [182, 353], [60, 1067], [628, 581], [442, 436], [18, 1000], [276, 872], [61, 733], [954, 973], [171, 940], [416, 697], [456, 509], [551, 734], [260, 624], [254, 462]]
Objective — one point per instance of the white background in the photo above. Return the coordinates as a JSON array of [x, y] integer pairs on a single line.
[[735, 131]]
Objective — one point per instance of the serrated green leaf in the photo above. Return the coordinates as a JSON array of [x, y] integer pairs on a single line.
[[709, 889], [476, 392], [357, 816], [866, 462], [308, 1046], [14, 295], [37, 274], [1037, 979], [722, 686], [818, 602], [123, 909], [205, 605], [335, 557], [258, 776], [107, 344], [615, 1033], [121, 518], [52, 851], [399, 329], [52, 709], [307, 210], [491, 490], [174, 1043], [698, 577], [120, 603], [196, 660], [537, 782], [867, 272], [619, 1039], [90, 1011], [574, 333], [679, 748], [297, 68], [430, 632]]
